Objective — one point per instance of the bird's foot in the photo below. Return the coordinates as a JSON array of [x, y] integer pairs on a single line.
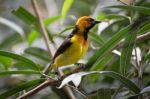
[[81, 64]]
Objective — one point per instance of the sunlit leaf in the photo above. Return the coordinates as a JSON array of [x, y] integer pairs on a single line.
[[20, 87], [5, 61], [66, 6], [32, 36], [50, 20]]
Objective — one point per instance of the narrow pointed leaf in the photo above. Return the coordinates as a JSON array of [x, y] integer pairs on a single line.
[[38, 52], [19, 57], [127, 52], [125, 81], [20, 87], [18, 72], [144, 10], [107, 47]]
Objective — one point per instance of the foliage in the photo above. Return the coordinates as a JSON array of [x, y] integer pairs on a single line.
[[127, 73]]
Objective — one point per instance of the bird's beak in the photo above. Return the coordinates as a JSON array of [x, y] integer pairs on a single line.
[[96, 22]]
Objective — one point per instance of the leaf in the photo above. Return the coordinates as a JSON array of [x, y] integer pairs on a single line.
[[27, 72], [12, 25], [32, 36], [21, 87], [103, 93], [75, 78], [127, 52], [66, 29], [140, 9], [66, 6], [113, 16], [10, 40], [38, 52], [143, 91], [102, 63], [50, 20], [30, 20], [25, 16], [5, 61], [107, 47], [20, 58], [125, 81], [145, 28], [96, 38]]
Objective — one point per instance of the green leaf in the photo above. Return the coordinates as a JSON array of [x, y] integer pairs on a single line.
[[38, 52], [113, 16], [66, 6], [103, 93], [10, 40], [50, 20], [107, 47], [145, 28], [12, 25], [143, 91], [66, 29], [20, 58], [140, 9], [26, 72], [98, 39], [30, 20], [127, 52], [5, 61], [32, 36], [20, 87], [125, 81], [102, 63], [25, 16]]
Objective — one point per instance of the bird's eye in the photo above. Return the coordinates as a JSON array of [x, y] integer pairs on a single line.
[[90, 20]]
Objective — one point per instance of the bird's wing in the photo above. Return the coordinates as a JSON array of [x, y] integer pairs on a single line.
[[66, 44]]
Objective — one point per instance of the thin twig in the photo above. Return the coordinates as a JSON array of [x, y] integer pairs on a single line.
[[81, 93], [41, 26], [38, 88]]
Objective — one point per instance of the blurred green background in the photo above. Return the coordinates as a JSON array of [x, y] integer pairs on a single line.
[[23, 54]]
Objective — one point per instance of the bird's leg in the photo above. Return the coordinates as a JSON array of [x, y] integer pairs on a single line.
[[81, 64]]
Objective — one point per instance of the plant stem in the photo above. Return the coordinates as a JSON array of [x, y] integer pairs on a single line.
[[41, 26]]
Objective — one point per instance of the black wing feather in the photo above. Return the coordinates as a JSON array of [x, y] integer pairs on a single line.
[[66, 44]]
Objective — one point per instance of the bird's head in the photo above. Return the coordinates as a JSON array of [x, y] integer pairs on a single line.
[[86, 23]]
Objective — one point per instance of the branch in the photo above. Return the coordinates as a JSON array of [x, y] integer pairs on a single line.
[[39, 88], [139, 39], [41, 26]]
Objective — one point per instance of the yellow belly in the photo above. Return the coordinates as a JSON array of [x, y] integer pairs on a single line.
[[78, 48]]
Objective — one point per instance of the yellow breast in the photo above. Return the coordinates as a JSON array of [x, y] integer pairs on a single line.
[[77, 49]]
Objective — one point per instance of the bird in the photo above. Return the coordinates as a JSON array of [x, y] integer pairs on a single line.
[[74, 46]]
